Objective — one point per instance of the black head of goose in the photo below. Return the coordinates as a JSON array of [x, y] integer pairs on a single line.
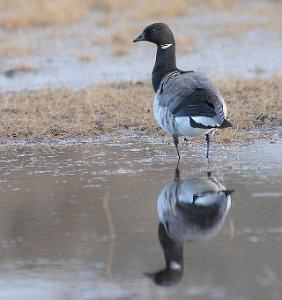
[[186, 103]]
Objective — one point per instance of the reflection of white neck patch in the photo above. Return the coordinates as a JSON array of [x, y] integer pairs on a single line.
[[165, 46]]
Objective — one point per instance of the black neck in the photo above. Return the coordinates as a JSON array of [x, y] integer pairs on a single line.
[[172, 247], [165, 63]]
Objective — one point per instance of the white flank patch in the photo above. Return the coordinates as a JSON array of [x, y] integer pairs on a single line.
[[224, 107], [163, 116], [228, 204], [206, 121], [165, 46]]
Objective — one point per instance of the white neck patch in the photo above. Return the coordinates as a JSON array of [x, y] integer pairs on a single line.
[[165, 46], [175, 266]]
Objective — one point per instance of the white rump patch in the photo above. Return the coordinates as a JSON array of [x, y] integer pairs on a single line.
[[208, 199], [206, 121], [165, 46], [183, 128]]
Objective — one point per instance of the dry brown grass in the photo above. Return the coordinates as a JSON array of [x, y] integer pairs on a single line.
[[15, 45], [86, 57], [18, 70], [109, 29], [13, 51], [112, 108], [23, 13], [253, 103], [119, 39]]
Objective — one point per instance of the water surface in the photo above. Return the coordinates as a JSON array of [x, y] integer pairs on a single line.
[[81, 222]]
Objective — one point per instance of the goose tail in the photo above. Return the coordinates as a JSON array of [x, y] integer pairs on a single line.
[[225, 124]]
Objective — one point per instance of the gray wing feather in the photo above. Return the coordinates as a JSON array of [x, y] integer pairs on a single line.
[[191, 94]]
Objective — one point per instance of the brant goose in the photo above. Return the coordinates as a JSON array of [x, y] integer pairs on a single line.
[[189, 209], [186, 103]]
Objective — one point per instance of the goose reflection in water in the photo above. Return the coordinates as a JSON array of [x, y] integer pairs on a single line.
[[188, 210]]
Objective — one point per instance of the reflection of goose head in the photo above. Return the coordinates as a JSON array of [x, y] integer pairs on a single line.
[[188, 210], [173, 253]]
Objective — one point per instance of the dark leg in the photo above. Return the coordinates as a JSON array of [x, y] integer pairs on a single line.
[[208, 145], [177, 172], [176, 142], [195, 197]]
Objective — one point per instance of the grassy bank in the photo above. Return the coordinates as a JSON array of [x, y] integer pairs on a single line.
[[112, 108]]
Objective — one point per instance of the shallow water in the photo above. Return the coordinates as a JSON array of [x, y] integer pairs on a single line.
[[81, 222]]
